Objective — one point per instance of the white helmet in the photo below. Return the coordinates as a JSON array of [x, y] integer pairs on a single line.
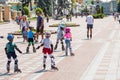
[[48, 34]]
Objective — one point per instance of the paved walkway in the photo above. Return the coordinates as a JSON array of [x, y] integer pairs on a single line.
[[95, 59]]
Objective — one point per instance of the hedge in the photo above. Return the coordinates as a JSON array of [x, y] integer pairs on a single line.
[[98, 15]]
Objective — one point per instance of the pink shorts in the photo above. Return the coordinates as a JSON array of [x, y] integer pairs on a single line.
[[47, 50]]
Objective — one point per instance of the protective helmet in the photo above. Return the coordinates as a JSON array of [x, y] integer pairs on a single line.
[[10, 37], [48, 34], [67, 29]]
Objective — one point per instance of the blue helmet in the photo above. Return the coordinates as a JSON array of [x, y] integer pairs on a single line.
[[10, 37]]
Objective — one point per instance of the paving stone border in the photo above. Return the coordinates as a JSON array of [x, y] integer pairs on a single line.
[[19, 32]]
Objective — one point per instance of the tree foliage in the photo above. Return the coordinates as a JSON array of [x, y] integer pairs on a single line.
[[46, 6], [40, 10], [102, 10], [92, 2], [73, 3], [118, 5]]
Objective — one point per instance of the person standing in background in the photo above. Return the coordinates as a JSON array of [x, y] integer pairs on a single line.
[[90, 21], [40, 26]]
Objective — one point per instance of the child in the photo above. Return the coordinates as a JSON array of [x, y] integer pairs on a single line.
[[25, 33], [47, 49], [60, 36], [10, 52], [68, 39], [30, 40]]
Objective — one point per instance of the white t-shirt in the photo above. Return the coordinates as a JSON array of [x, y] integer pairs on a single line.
[[47, 43], [89, 19], [24, 24]]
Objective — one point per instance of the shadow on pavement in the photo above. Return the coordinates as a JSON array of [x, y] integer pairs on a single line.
[[6, 74], [85, 39], [62, 56], [42, 70]]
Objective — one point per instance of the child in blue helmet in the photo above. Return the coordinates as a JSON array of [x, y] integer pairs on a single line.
[[10, 52]]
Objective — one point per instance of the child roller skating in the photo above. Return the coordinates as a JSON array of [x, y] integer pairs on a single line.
[[30, 40], [68, 39], [10, 52], [60, 36], [47, 49]]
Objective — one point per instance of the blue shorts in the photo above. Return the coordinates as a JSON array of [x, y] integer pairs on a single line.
[[11, 54], [89, 26]]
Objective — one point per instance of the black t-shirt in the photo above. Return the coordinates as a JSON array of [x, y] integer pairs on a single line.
[[39, 20]]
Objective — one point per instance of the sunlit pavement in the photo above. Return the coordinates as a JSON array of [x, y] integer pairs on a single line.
[[95, 59]]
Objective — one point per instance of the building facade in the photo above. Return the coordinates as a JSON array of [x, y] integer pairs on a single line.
[[108, 6]]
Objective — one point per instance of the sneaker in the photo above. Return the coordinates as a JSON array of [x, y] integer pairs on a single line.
[[54, 68]]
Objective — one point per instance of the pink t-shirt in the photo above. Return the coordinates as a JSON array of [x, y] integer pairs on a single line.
[[68, 36]]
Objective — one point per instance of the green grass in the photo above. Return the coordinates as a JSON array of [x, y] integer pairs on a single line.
[[33, 18], [19, 32], [1, 21], [67, 24]]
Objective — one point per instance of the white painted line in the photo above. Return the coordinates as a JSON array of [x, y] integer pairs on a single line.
[[92, 68], [90, 72], [112, 71], [36, 75]]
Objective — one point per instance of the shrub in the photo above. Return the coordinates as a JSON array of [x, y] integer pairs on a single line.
[[100, 15], [67, 24], [26, 11]]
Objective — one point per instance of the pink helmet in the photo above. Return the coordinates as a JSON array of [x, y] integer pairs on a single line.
[[67, 29]]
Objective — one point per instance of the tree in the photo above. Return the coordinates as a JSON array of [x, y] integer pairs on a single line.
[[118, 6], [25, 3], [92, 2], [46, 6], [102, 10], [73, 5], [19, 6]]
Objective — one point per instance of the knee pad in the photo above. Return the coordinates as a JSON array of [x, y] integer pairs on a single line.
[[9, 61], [16, 61], [45, 57], [61, 42], [52, 57]]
